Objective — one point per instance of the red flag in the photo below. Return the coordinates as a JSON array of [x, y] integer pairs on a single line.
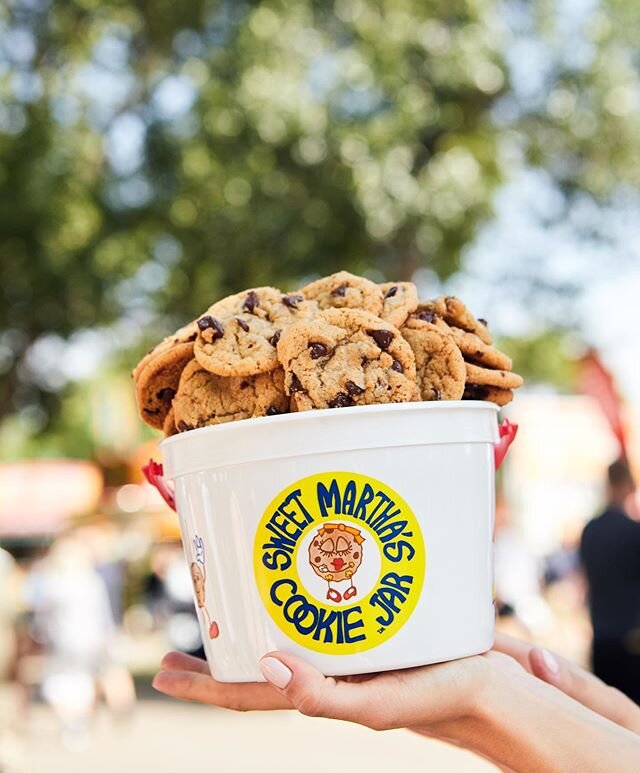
[[596, 381]]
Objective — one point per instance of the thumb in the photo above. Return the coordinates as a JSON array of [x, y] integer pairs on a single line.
[[316, 695]]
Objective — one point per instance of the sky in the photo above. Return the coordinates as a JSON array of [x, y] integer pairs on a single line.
[[605, 272]]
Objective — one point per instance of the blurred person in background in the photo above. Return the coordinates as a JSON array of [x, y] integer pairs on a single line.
[[610, 552], [74, 622]]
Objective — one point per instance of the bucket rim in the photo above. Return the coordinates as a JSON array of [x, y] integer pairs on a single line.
[[332, 429], [357, 410]]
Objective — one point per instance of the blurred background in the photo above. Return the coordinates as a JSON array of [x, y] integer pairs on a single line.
[[155, 156]]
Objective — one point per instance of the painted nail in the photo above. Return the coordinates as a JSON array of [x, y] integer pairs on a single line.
[[550, 662], [276, 672]]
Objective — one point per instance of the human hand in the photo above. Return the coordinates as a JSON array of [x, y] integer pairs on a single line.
[[573, 681], [492, 704], [436, 700]]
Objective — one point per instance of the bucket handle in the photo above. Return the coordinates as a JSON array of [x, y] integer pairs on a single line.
[[154, 473], [507, 431]]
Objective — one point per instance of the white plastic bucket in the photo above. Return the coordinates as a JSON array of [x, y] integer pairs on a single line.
[[358, 538]]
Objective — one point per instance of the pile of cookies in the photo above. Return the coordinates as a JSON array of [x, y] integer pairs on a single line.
[[342, 340]]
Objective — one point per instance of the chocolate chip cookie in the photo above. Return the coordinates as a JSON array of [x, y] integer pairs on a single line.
[[184, 335], [399, 299], [169, 427], [204, 398], [440, 366], [157, 382], [490, 393], [456, 314], [346, 357], [238, 335], [475, 350], [345, 291], [503, 379]]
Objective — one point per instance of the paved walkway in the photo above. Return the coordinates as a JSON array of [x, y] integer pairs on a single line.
[[171, 737]]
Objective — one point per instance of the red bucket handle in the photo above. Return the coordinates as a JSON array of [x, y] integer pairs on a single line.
[[507, 431], [154, 473]]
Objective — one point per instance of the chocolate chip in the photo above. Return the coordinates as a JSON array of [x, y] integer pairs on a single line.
[[353, 389], [251, 301], [427, 316], [341, 400], [273, 411], [182, 426], [166, 394], [436, 393], [382, 337], [295, 385], [244, 384], [339, 291], [292, 301], [317, 350], [242, 324], [397, 366], [475, 392], [483, 322], [391, 292], [275, 338], [211, 323]]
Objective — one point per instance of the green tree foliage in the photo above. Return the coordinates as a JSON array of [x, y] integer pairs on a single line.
[[548, 357], [156, 155]]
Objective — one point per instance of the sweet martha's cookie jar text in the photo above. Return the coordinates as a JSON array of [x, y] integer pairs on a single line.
[[339, 561]]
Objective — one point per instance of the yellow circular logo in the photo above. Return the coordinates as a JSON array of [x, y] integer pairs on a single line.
[[339, 561]]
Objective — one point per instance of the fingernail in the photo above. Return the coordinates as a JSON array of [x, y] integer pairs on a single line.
[[550, 662], [276, 672], [157, 684]]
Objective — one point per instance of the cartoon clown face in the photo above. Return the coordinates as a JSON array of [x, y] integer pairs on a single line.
[[197, 575], [335, 555]]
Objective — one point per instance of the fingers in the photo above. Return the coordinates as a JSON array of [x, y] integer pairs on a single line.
[[572, 680], [314, 694], [516, 648], [585, 688], [201, 688], [409, 698], [179, 661]]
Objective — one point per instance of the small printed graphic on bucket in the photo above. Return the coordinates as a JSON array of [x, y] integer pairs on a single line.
[[199, 578], [339, 561]]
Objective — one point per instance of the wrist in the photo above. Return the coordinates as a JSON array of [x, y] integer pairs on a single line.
[[478, 714], [485, 725]]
